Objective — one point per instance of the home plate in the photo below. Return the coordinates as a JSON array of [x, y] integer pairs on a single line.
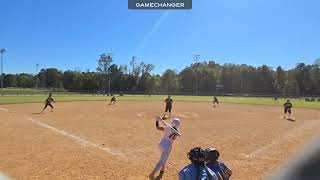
[[3, 177]]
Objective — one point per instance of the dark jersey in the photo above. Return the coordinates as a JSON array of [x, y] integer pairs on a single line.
[[215, 100], [168, 102], [287, 105], [49, 100], [113, 99]]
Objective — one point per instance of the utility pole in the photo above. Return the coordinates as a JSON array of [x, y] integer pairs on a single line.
[[195, 60], [2, 51], [109, 56]]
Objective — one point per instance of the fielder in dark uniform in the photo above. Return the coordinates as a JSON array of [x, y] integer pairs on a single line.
[[169, 102], [48, 102], [215, 101], [287, 109], [113, 100]]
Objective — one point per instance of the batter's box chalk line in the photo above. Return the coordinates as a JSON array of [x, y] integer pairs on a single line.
[[4, 109]]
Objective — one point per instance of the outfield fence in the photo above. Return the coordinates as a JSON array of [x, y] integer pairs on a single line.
[[46, 91]]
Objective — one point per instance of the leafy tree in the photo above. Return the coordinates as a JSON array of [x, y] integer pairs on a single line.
[[302, 76], [169, 83], [104, 63], [10, 80], [265, 79], [152, 85], [69, 80], [133, 63], [236, 78], [146, 70], [25, 80], [280, 80], [186, 79]]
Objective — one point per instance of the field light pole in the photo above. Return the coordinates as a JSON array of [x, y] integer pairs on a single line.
[[109, 58], [196, 58], [37, 78], [2, 51]]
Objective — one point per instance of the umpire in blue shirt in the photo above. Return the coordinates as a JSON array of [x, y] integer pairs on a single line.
[[197, 170]]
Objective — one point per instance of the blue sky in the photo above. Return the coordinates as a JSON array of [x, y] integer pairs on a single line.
[[71, 34]]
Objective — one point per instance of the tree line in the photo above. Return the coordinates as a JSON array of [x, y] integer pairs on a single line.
[[206, 76]]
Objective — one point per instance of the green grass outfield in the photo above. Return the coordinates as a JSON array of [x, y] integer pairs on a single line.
[[240, 100]]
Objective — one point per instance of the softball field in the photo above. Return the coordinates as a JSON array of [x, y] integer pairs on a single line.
[[92, 140]]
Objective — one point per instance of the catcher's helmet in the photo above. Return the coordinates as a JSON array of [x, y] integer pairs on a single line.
[[197, 155], [212, 154]]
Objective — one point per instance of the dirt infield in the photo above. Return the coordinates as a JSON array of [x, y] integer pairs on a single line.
[[91, 140]]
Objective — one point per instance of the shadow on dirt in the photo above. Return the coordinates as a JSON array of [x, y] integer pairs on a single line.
[[292, 120]]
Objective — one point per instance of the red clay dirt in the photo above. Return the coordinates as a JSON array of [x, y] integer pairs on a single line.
[[92, 140]]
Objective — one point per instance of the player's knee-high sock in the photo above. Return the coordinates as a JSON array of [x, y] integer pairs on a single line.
[[162, 168], [162, 162], [45, 107]]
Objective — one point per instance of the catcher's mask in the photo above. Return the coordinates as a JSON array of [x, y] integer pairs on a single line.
[[197, 155], [212, 154]]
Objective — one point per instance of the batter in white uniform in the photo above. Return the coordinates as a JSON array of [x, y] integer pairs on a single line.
[[165, 145]]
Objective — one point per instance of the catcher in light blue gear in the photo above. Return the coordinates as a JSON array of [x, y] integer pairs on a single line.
[[218, 167], [197, 170]]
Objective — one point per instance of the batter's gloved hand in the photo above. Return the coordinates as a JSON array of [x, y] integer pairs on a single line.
[[158, 118]]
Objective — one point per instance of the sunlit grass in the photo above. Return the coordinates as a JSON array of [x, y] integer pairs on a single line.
[[240, 100]]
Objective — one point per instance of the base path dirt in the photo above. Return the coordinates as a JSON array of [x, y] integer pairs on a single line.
[[92, 140]]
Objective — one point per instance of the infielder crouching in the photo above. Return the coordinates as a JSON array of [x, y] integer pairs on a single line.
[[113, 100], [48, 102], [165, 145]]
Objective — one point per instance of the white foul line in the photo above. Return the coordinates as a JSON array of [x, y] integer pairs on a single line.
[[76, 138], [4, 109]]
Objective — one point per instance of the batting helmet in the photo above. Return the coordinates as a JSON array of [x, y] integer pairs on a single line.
[[175, 123]]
